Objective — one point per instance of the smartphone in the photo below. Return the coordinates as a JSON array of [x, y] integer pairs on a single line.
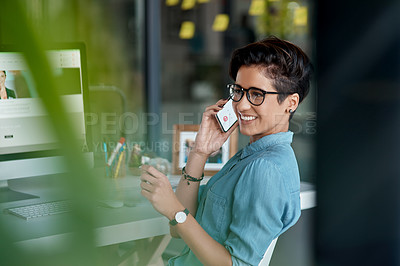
[[227, 116]]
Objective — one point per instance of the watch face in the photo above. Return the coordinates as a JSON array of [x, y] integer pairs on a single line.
[[180, 217]]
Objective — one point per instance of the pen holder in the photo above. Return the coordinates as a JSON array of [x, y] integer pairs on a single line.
[[118, 169]]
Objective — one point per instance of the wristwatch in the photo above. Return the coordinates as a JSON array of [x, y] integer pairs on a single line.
[[180, 217]]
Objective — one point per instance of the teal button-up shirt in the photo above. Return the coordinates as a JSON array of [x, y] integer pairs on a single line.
[[251, 201]]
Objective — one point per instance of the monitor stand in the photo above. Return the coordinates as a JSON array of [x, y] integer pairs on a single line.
[[8, 195]]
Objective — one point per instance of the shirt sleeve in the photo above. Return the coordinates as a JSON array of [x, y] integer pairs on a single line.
[[261, 208], [200, 193]]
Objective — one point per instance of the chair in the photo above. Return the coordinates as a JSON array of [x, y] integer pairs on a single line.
[[268, 254]]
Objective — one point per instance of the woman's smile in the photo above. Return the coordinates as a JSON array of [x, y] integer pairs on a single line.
[[246, 118]]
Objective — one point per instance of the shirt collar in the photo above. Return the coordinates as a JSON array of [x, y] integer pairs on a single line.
[[266, 141]]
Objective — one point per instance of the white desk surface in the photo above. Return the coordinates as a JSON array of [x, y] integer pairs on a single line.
[[116, 225]]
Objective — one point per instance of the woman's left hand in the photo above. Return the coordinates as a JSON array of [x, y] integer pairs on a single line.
[[157, 189]]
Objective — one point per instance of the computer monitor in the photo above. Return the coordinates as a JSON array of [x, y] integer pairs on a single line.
[[28, 144]]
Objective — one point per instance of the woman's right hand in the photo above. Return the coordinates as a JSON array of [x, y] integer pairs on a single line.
[[210, 136]]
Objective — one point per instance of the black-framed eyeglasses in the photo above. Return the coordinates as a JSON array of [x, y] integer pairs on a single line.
[[255, 96]]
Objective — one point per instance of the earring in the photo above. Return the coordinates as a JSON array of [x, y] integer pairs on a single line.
[[291, 111]]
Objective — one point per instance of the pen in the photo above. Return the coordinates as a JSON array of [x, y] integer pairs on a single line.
[[115, 151], [105, 156], [105, 150], [121, 155]]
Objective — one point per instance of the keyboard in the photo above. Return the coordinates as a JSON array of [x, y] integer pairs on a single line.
[[42, 209]]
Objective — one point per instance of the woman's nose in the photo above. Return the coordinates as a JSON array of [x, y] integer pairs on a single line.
[[243, 104]]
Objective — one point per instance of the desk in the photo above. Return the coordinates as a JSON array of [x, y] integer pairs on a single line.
[[114, 226], [117, 225]]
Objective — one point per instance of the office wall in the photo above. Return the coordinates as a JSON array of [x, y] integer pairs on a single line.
[[358, 62]]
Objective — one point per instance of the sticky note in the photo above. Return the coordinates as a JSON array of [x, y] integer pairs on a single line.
[[171, 2], [188, 4], [221, 22], [202, 1], [187, 30], [257, 7], [300, 16]]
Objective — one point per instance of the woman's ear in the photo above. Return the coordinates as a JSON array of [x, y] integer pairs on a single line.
[[292, 102]]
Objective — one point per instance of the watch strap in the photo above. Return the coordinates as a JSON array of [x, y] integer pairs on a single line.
[[174, 222]]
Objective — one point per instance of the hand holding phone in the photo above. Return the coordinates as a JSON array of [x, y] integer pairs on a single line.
[[227, 116]]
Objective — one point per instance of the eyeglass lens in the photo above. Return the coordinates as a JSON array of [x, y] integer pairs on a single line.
[[255, 96]]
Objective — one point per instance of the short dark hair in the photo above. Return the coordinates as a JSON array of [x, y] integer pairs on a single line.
[[285, 63]]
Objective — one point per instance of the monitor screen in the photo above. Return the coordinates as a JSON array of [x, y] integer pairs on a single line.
[[28, 144]]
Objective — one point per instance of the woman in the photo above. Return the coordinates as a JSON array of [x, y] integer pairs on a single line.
[[255, 197], [4, 92]]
